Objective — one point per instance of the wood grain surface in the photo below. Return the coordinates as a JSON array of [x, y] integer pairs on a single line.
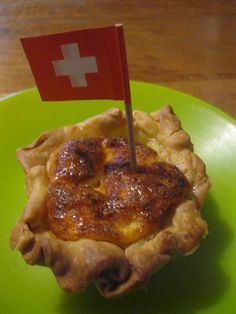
[[189, 45]]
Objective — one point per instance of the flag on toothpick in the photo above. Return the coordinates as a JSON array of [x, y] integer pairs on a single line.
[[83, 64]]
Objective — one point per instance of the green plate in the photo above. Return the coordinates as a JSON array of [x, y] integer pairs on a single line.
[[201, 283]]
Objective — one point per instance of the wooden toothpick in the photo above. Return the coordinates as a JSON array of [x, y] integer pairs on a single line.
[[127, 95], [129, 118]]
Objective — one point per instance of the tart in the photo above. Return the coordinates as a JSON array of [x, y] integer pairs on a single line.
[[90, 218]]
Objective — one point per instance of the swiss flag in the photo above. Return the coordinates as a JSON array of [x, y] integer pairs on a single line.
[[83, 64]]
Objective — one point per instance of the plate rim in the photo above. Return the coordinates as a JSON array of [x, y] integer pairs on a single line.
[[230, 118]]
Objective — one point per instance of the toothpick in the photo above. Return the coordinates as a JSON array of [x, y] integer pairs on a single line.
[[127, 95], [129, 118]]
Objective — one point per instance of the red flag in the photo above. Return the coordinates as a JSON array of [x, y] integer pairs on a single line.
[[84, 64]]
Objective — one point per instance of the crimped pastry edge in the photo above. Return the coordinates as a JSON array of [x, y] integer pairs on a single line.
[[115, 271]]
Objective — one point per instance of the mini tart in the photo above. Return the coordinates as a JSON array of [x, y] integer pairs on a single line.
[[134, 242]]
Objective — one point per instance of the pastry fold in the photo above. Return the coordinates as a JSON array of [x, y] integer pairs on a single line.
[[114, 270]]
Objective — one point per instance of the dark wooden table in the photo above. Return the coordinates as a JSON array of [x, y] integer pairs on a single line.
[[189, 45]]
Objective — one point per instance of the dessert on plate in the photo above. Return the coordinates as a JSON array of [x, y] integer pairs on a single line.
[[90, 218]]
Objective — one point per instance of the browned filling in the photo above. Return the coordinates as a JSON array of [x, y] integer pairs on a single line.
[[93, 193]]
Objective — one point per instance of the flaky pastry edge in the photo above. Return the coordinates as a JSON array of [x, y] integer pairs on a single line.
[[114, 270]]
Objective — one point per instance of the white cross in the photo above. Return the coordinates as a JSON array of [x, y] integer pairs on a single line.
[[74, 65]]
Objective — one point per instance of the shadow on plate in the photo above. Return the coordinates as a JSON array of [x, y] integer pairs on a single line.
[[184, 286]]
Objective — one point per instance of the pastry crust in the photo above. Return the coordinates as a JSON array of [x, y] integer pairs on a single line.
[[115, 270]]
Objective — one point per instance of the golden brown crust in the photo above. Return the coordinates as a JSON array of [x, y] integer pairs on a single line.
[[115, 271], [94, 194]]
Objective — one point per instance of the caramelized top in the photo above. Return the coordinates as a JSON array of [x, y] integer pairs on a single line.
[[93, 193]]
